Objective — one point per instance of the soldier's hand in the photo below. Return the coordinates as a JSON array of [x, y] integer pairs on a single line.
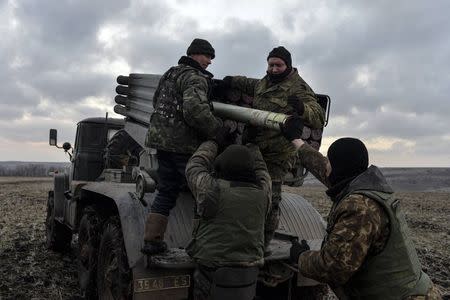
[[218, 90], [249, 135], [223, 137], [227, 81], [297, 104], [297, 249], [233, 125], [292, 128]]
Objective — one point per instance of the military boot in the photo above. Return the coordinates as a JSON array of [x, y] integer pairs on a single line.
[[155, 227]]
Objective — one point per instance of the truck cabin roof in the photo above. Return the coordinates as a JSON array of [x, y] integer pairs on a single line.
[[115, 122]]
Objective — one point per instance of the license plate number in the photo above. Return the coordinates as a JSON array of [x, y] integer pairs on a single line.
[[161, 283]]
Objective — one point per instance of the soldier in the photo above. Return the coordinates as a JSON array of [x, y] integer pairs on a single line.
[[181, 120], [232, 193], [367, 252], [282, 90]]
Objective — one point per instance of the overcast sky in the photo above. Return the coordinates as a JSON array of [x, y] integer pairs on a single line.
[[385, 64]]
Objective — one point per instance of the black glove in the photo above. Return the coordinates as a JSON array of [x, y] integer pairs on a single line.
[[297, 104], [249, 135], [219, 91], [223, 137], [227, 81], [297, 249], [292, 128]]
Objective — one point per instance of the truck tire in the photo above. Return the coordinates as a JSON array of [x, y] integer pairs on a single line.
[[58, 236], [88, 243], [114, 279]]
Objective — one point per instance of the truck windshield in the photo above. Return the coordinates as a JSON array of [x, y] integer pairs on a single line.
[[111, 132]]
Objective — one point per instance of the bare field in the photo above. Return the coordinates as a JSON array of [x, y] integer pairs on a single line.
[[29, 271]]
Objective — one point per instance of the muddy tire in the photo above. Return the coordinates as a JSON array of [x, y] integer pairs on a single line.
[[58, 236], [88, 243], [114, 279]]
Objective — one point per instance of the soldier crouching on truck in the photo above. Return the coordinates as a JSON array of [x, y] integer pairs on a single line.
[[282, 90], [181, 120], [367, 252], [232, 192]]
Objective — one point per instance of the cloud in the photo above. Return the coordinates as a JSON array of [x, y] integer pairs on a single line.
[[384, 64]]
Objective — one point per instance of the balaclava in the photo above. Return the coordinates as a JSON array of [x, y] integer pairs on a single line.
[[348, 158], [285, 55], [235, 163]]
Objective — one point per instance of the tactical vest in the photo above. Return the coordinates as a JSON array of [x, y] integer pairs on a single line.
[[395, 273], [168, 130], [235, 235]]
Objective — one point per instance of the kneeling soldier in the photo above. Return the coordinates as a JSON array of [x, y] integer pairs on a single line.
[[367, 252], [232, 193]]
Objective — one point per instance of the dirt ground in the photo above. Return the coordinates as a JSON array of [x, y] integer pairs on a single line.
[[29, 271]]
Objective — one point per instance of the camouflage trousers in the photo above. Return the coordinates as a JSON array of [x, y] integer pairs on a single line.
[[273, 219], [277, 170]]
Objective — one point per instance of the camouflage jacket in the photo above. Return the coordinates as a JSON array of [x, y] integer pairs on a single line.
[[278, 152], [218, 240], [203, 184], [182, 118], [358, 229]]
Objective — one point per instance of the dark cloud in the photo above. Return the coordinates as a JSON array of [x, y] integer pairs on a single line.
[[384, 64], [402, 49], [66, 25], [243, 49], [71, 87]]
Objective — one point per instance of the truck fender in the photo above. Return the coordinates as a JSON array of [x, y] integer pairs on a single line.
[[60, 185], [301, 218], [131, 213]]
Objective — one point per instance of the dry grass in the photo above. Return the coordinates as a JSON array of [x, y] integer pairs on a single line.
[[29, 271]]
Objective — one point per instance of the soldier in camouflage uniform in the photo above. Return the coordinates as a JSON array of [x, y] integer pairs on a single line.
[[181, 120], [282, 90], [232, 192], [367, 252]]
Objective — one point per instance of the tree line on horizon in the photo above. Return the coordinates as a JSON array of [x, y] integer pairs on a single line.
[[29, 170]]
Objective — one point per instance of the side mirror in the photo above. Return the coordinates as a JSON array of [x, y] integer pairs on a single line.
[[53, 137]]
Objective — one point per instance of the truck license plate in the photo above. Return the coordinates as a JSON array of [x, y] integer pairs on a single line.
[[161, 283]]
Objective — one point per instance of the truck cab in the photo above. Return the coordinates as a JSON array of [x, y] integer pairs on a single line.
[[87, 163], [91, 139]]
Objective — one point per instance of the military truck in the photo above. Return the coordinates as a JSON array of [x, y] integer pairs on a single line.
[[105, 205]]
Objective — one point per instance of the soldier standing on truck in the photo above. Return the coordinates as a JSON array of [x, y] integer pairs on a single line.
[[282, 90], [232, 192], [367, 252], [181, 120]]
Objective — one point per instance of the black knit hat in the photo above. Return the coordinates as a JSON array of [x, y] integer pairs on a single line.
[[282, 53], [348, 158], [235, 163], [199, 46]]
